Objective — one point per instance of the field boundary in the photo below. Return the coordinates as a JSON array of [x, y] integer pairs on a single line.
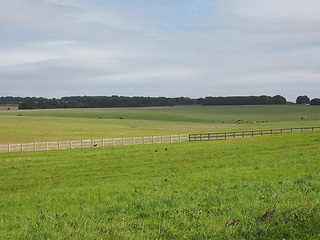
[[241, 134], [44, 146], [59, 145]]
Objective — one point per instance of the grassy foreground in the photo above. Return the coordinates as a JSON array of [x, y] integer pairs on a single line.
[[254, 188], [26, 126]]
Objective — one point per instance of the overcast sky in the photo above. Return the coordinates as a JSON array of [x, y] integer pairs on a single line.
[[172, 48]]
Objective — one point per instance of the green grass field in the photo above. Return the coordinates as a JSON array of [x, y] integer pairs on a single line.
[[264, 187], [254, 188], [26, 126]]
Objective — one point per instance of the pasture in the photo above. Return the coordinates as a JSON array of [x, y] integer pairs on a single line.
[[265, 187], [252, 188], [26, 126]]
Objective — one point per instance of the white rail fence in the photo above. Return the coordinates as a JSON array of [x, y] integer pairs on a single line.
[[41, 146]]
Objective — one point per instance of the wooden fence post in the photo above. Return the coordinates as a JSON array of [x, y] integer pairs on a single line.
[[34, 145], [46, 146], [123, 141], [21, 147], [179, 138], [8, 147], [113, 142], [70, 144], [58, 145], [102, 142]]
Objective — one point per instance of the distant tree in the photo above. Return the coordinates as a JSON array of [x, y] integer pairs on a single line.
[[315, 101], [278, 100], [303, 100], [28, 103]]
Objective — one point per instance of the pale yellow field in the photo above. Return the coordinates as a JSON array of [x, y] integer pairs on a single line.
[[24, 126]]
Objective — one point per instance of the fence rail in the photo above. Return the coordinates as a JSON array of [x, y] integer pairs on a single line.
[[242, 134], [41, 146]]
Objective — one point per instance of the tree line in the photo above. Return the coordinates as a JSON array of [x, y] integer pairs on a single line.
[[123, 101], [102, 102], [306, 100], [251, 100], [11, 100]]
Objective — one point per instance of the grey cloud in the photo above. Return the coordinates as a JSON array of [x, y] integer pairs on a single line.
[[75, 47]]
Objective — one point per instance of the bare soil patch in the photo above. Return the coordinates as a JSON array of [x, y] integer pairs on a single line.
[[8, 107]]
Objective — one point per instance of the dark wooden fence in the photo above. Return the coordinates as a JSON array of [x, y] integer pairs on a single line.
[[242, 134]]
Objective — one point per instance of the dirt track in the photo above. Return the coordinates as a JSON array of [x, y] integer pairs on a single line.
[[7, 107]]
